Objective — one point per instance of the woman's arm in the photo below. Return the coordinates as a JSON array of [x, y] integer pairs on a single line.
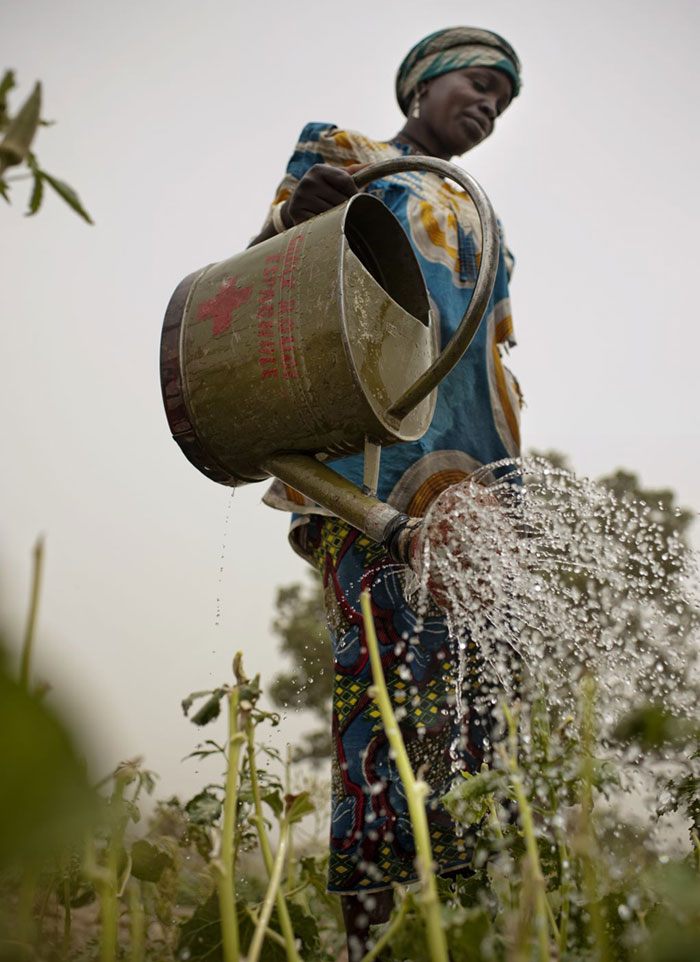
[[321, 188], [270, 230]]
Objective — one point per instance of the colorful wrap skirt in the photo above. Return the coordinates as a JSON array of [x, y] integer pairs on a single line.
[[371, 839]]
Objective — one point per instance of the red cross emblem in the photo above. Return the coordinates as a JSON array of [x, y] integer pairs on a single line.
[[220, 308]]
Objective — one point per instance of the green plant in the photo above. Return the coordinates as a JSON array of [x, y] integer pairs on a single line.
[[558, 867], [18, 134]]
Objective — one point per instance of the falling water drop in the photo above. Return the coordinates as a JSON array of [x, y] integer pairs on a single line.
[[222, 556]]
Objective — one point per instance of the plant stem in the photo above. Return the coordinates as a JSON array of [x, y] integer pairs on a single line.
[[552, 920], [108, 879], [542, 916], [257, 801], [30, 629], [269, 933], [588, 845], [387, 936], [564, 877], [271, 894], [108, 916], [696, 845], [416, 792], [225, 883], [65, 945], [282, 911], [564, 870], [137, 918], [493, 817], [25, 906], [508, 896], [45, 902], [288, 789], [105, 883]]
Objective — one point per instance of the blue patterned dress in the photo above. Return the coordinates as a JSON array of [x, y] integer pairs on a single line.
[[476, 422]]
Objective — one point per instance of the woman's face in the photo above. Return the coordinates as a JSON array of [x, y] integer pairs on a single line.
[[458, 109]]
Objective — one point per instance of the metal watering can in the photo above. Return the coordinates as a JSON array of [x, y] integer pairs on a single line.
[[315, 344]]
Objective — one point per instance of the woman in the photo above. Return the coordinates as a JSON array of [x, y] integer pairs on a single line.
[[452, 86]]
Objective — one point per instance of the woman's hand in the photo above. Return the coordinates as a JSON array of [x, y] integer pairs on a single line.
[[321, 188]]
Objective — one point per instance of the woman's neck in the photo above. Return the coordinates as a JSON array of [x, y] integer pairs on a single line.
[[418, 140]]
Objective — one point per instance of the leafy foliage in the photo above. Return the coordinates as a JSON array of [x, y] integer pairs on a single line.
[[150, 859], [18, 135], [200, 935], [647, 909], [559, 867]]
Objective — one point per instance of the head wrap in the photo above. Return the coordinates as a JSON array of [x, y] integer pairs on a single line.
[[453, 49]]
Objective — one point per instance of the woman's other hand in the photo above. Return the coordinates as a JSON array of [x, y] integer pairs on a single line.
[[321, 188]]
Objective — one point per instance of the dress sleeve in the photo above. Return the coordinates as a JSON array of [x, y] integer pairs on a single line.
[[312, 148]]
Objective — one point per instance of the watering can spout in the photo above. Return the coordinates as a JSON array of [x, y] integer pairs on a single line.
[[379, 521], [317, 344]]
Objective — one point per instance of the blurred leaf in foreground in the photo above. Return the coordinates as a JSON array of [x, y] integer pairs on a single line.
[[652, 727], [46, 802]]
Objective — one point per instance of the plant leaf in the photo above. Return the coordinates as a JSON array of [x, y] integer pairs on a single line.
[[149, 860], [6, 85], [200, 935], [210, 710], [468, 800], [202, 753], [21, 129], [46, 802], [275, 802], [298, 806], [466, 930], [305, 928], [653, 727], [204, 809], [69, 195], [192, 697]]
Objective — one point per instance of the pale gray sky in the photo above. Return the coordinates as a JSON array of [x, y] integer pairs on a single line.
[[175, 122]]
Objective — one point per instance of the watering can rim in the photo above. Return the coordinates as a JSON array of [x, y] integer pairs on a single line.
[[172, 385], [383, 415]]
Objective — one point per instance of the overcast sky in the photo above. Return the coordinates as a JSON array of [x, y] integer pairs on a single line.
[[174, 122]]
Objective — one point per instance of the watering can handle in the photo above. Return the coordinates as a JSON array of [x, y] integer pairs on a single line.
[[469, 325]]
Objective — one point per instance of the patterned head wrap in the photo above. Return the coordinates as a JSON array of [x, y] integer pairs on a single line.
[[453, 49]]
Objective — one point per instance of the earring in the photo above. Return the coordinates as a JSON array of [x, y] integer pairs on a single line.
[[415, 112]]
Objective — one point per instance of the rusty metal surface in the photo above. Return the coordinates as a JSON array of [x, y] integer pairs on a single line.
[[294, 346], [171, 383], [336, 493]]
